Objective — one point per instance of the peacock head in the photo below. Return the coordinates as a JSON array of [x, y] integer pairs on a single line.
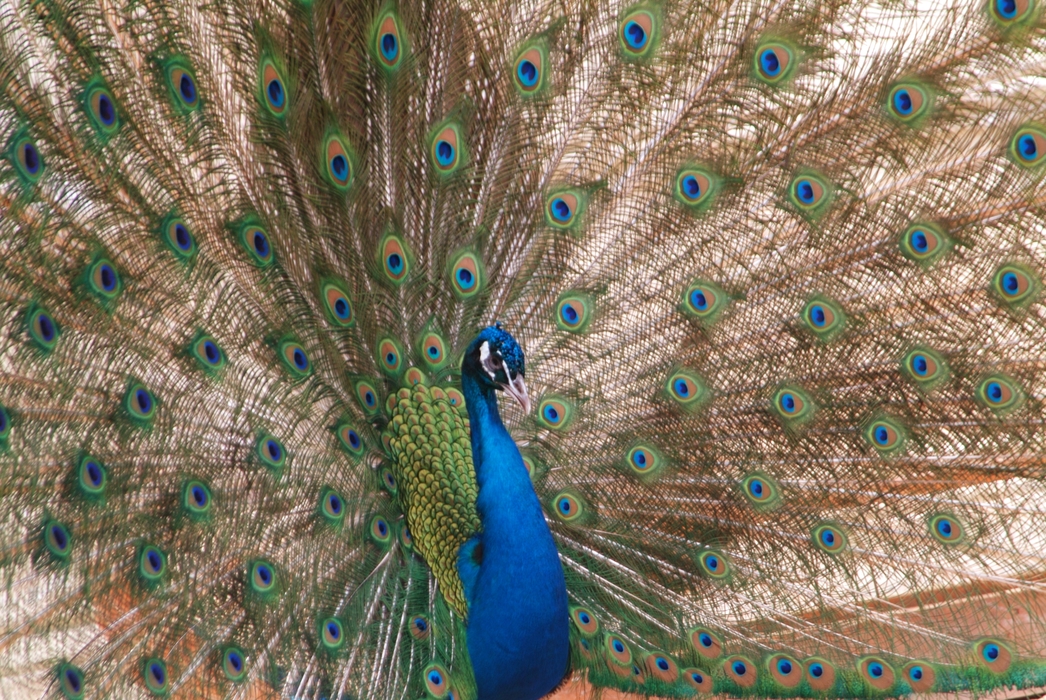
[[495, 360]]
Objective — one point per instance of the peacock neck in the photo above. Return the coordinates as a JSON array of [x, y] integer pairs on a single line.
[[517, 627]]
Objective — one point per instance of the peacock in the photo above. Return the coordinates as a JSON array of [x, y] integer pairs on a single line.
[[464, 349]]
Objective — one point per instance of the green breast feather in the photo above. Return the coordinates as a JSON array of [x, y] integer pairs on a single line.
[[437, 483]]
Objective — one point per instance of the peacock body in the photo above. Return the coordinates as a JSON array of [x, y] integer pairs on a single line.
[[775, 266]]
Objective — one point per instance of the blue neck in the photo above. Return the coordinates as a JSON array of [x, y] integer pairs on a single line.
[[517, 626]]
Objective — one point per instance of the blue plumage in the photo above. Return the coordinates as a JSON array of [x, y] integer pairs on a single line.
[[518, 619]]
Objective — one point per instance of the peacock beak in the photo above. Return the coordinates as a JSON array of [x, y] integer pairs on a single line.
[[517, 389]]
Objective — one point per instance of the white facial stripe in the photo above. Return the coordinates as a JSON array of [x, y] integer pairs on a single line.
[[488, 362], [484, 358]]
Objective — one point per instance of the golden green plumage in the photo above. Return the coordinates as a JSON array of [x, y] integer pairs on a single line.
[[430, 447]]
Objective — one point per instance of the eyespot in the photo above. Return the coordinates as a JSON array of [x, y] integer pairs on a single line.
[[332, 506], [71, 681], [152, 563], [773, 62], [419, 627], [433, 350], [528, 74], [466, 275], [584, 620], [907, 102], [26, 158], [337, 163], [999, 393], [272, 90], [713, 564], [331, 634], [947, 529], [555, 413], [390, 357], [703, 301], [637, 33], [350, 439], [785, 670], [740, 670], [920, 675], [808, 193], [760, 490], [5, 425], [924, 243], [234, 664], [57, 539], [1013, 285], [196, 499], [876, 673], [140, 403], [828, 538], [456, 399], [380, 531], [445, 150], [697, 679], [405, 538], [823, 318], [294, 359], [1010, 12], [368, 397], [176, 235], [256, 242], [568, 506], [262, 577], [42, 328], [154, 673], [206, 351], [792, 406], [573, 312], [1028, 145], [562, 209], [182, 84], [644, 461], [387, 44], [337, 304], [394, 259], [819, 674], [686, 390], [706, 643], [271, 452], [662, 667], [694, 187], [924, 367], [91, 476], [994, 655], [101, 109], [886, 435], [436, 680], [618, 650]]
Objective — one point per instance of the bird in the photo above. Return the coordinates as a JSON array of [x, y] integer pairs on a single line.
[[461, 349]]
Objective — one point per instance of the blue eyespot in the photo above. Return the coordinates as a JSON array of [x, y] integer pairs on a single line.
[[712, 562], [182, 238], [828, 538], [551, 414], [769, 62], [584, 617], [705, 639], [560, 210], [875, 669], [662, 664], [991, 652], [527, 73], [145, 401], [902, 102], [804, 190], [681, 388], [274, 450], [817, 316], [1007, 9], [435, 678], [340, 167], [699, 300], [618, 646], [816, 670], [369, 398], [389, 47], [210, 352], [444, 153], [920, 365], [395, 262], [465, 278], [199, 496], [915, 673], [187, 88], [354, 439], [300, 361], [261, 244], [691, 187], [788, 403], [739, 668], [755, 486], [635, 36], [784, 667]]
